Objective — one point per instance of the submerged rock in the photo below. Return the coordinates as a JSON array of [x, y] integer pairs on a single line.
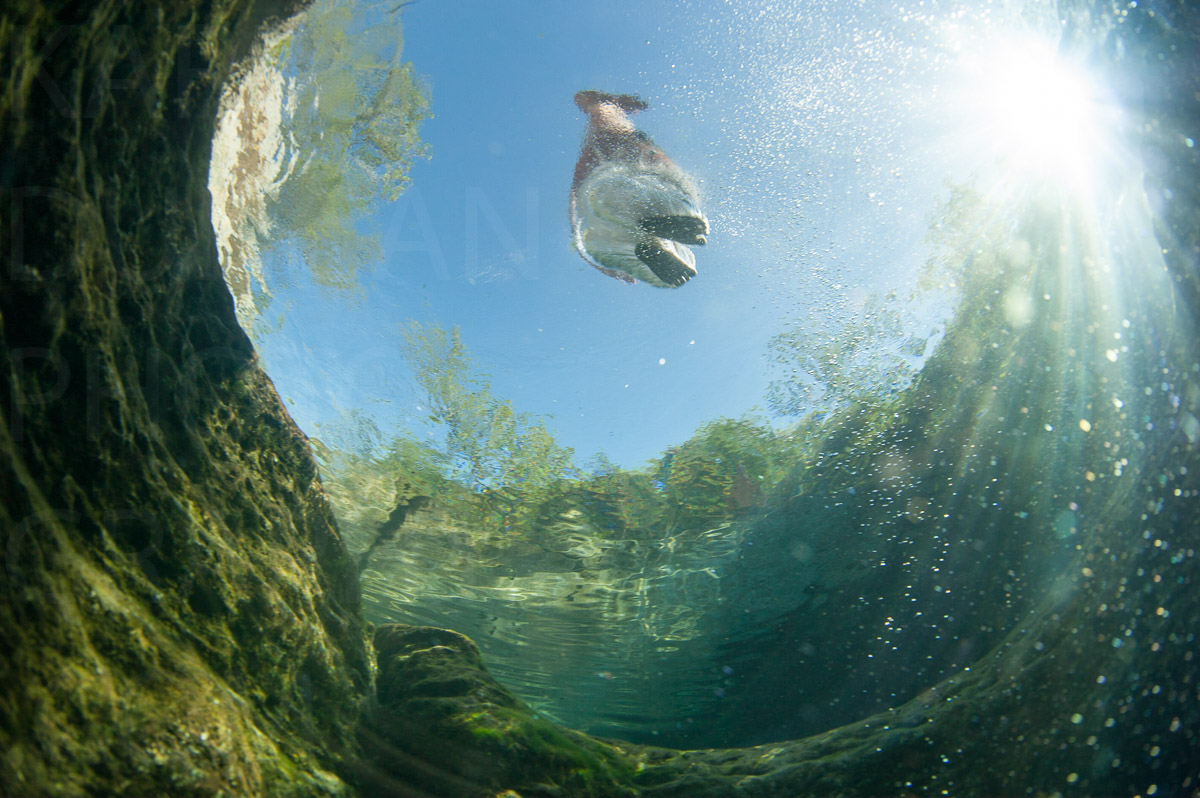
[[178, 612], [441, 725]]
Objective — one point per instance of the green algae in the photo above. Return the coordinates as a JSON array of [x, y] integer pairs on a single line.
[[174, 629], [436, 701]]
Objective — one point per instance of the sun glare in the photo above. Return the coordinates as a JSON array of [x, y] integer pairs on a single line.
[[1033, 112]]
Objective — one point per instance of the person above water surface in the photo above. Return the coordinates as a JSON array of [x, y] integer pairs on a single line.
[[633, 211]]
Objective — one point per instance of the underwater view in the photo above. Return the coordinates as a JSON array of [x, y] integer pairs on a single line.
[[666, 398]]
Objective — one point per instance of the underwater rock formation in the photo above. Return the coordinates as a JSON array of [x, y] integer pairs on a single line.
[[441, 725], [179, 614]]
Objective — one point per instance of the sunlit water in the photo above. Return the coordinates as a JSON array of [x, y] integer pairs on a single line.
[[864, 169]]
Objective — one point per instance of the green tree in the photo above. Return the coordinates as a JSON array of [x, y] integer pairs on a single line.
[[352, 121], [868, 361], [619, 502], [507, 458], [724, 468], [318, 127]]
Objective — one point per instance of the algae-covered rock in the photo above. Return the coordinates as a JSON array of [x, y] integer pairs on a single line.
[[178, 613], [441, 725]]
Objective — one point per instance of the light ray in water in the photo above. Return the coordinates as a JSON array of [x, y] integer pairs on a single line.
[[1041, 134]]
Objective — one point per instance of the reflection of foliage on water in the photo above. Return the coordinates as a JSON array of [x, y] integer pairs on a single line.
[[323, 123], [500, 469], [366, 484]]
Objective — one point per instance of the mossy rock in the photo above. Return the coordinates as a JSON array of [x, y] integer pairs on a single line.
[[442, 725]]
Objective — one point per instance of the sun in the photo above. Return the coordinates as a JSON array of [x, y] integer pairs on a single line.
[[1039, 115]]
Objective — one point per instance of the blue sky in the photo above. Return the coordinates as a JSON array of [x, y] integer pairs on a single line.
[[815, 141]]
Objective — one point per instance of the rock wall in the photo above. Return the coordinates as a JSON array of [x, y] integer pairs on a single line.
[[177, 610]]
